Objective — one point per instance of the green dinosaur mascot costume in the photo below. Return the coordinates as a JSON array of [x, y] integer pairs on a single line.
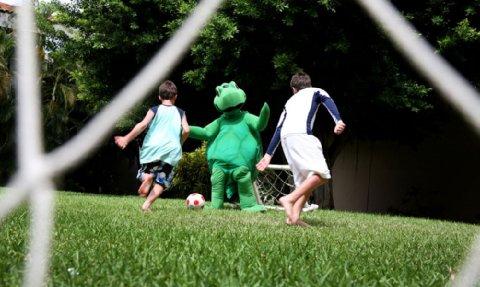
[[233, 147]]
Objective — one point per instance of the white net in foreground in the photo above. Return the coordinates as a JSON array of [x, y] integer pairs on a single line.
[[41, 168]]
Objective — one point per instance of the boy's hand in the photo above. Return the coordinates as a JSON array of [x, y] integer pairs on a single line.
[[264, 162], [121, 142], [339, 127]]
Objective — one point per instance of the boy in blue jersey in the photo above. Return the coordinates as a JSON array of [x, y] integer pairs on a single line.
[[302, 149], [162, 147]]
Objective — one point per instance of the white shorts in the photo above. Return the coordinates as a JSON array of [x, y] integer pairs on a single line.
[[304, 156]]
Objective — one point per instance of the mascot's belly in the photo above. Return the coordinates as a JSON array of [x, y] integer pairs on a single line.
[[234, 145]]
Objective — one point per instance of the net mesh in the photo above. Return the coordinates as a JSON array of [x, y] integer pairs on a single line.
[[273, 183]]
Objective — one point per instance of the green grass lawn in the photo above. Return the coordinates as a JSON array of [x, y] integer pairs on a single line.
[[107, 241]]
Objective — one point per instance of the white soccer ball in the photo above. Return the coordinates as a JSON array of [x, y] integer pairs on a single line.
[[195, 201]]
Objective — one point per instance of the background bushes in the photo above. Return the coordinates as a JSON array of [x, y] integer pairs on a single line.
[[192, 175]]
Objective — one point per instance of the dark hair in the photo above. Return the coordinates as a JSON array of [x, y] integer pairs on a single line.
[[300, 80], [167, 90]]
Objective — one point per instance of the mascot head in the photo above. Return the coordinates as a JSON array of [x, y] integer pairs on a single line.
[[229, 97]]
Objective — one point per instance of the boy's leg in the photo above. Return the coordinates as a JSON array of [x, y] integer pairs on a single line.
[[299, 195], [146, 176], [154, 194], [302, 198], [147, 180], [298, 208]]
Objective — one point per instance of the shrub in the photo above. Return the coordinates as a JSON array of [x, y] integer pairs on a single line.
[[191, 175]]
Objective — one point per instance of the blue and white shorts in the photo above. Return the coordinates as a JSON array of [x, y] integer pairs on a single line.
[[163, 172]]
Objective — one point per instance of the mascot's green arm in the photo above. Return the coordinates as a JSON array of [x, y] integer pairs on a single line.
[[207, 133], [260, 123], [263, 118]]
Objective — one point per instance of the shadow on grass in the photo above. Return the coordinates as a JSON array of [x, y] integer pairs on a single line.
[[314, 222]]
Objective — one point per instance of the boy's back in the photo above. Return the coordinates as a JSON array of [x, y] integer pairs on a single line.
[[163, 139], [301, 108]]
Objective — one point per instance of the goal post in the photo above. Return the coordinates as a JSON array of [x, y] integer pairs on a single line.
[[273, 183]]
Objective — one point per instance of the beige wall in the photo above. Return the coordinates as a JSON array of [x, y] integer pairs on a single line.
[[437, 176]]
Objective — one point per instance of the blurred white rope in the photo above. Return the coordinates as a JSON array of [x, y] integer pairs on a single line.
[[42, 206], [30, 149], [469, 275]]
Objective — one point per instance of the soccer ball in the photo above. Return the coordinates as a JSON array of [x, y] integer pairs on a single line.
[[195, 201]]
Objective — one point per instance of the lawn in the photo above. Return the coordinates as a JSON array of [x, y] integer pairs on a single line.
[[107, 241]]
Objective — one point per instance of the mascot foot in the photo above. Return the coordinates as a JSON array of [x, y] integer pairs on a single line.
[[255, 208]]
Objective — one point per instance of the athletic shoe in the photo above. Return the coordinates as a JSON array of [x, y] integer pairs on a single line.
[[309, 207]]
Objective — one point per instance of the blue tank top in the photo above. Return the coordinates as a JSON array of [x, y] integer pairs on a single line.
[[163, 139]]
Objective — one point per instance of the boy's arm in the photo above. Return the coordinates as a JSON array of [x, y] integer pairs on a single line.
[[185, 128], [205, 134], [122, 142], [329, 104], [339, 127]]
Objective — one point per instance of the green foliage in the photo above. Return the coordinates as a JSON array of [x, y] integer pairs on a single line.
[[133, 117], [6, 74], [108, 241], [260, 44], [463, 32], [92, 48], [108, 41], [6, 57], [7, 104], [284, 64], [192, 174]]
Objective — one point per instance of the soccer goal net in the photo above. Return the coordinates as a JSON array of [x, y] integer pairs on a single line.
[[273, 183]]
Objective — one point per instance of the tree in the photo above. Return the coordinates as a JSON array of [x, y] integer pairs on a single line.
[[7, 102], [58, 90]]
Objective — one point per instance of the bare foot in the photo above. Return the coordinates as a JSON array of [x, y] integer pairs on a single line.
[[288, 207], [146, 184], [146, 210]]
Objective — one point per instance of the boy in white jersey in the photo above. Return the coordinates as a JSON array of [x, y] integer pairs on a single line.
[[162, 147], [302, 149]]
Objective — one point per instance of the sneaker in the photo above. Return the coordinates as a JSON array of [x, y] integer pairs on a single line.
[[309, 207]]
